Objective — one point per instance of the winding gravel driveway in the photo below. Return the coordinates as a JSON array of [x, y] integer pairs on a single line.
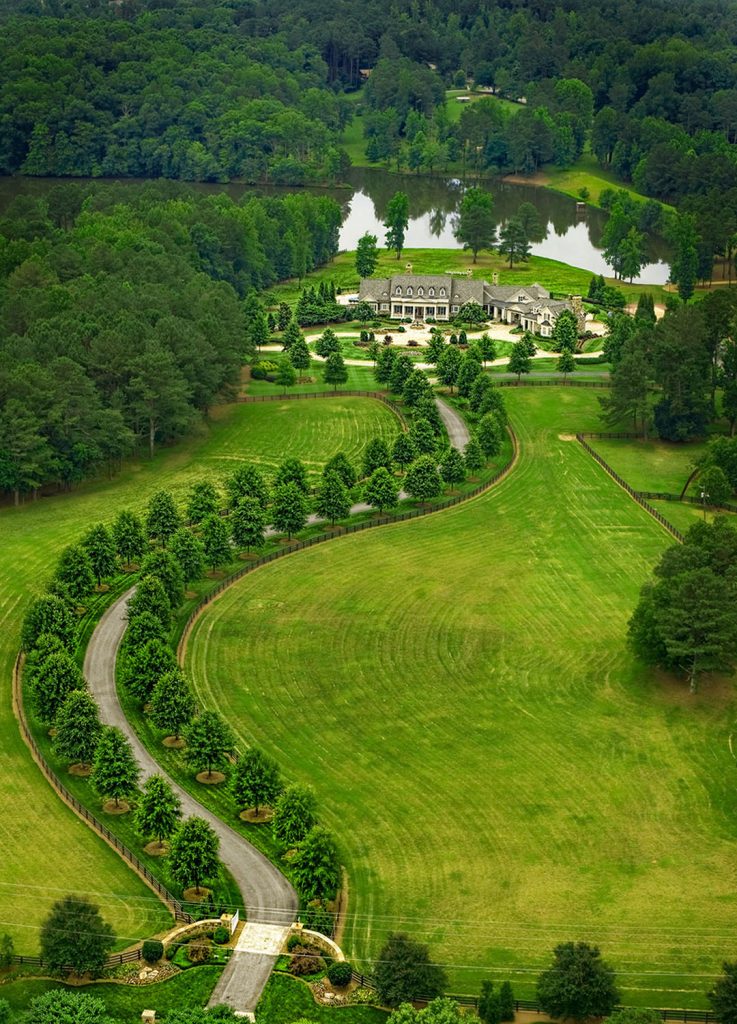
[[271, 902]]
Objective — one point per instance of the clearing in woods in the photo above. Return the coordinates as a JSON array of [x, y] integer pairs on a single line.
[[501, 774]]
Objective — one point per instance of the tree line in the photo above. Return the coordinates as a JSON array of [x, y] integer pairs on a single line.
[[122, 316], [172, 94]]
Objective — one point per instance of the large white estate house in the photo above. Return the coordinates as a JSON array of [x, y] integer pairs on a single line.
[[440, 297]]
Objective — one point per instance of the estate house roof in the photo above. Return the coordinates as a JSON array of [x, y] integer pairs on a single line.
[[454, 289]]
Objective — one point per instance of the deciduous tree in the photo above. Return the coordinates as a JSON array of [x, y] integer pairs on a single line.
[[162, 517], [367, 255], [397, 219], [294, 815], [172, 702], [256, 780], [130, 542], [159, 809], [381, 491], [247, 524], [77, 729], [100, 546], [75, 935], [403, 971], [216, 541], [452, 467], [115, 771], [423, 480], [316, 865], [209, 741], [193, 857], [475, 228], [290, 508], [333, 500], [189, 553], [578, 984], [165, 567], [150, 596], [202, 501], [336, 372], [53, 679]]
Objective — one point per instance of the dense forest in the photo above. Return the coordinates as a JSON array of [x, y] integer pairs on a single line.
[[122, 315]]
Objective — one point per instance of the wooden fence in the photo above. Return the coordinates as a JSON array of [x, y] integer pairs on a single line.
[[633, 493], [130, 956], [97, 826], [321, 538], [688, 499], [533, 1006], [552, 382]]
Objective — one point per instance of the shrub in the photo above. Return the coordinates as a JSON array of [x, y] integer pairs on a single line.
[[340, 972], [221, 935], [198, 951], [172, 949], [262, 369], [303, 963], [402, 330], [153, 950], [293, 941]]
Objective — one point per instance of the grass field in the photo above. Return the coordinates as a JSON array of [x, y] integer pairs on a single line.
[[651, 465], [124, 1002], [553, 275], [501, 773], [360, 378], [47, 851]]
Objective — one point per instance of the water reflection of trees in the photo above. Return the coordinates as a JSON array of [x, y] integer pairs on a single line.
[[438, 198]]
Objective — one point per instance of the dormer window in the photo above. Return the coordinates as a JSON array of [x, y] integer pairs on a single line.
[[398, 290], [409, 293], [420, 291], [442, 293], [431, 293]]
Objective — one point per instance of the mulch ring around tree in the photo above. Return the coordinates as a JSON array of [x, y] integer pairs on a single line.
[[156, 849], [82, 771], [111, 807], [264, 814], [196, 895], [210, 778], [175, 742]]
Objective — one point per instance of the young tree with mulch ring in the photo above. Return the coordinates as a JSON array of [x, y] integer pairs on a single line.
[[115, 771], [247, 482], [146, 665], [294, 815], [75, 935], [130, 541], [99, 544], [247, 524], [333, 500], [490, 434], [52, 616], [452, 467], [162, 517], [77, 729], [382, 490], [335, 372], [165, 567], [159, 810], [189, 553], [316, 865], [172, 703], [53, 680], [423, 480], [290, 509], [216, 542], [256, 780], [209, 742], [194, 853], [150, 596]]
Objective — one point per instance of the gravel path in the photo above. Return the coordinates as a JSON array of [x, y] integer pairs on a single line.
[[268, 896]]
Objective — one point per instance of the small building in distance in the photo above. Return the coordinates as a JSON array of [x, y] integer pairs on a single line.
[[440, 297]]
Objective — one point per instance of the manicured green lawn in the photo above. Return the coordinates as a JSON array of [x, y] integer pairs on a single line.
[[683, 514], [286, 1000], [556, 276], [124, 1003], [48, 851], [651, 465], [360, 378], [586, 173], [502, 775]]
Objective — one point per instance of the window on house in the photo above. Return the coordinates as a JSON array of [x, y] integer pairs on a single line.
[[455, 309], [409, 292], [431, 292], [397, 290], [420, 291], [385, 305], [430, 311], [397, 310], [442, 310]]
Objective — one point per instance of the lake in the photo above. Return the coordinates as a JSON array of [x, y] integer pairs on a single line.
[[570, 236]]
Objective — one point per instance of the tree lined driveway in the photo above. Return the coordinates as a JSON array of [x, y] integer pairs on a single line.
[[271, 902]]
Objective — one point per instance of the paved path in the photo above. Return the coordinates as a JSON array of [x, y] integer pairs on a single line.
[[268, 896], [271, 903], [458, 433]]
